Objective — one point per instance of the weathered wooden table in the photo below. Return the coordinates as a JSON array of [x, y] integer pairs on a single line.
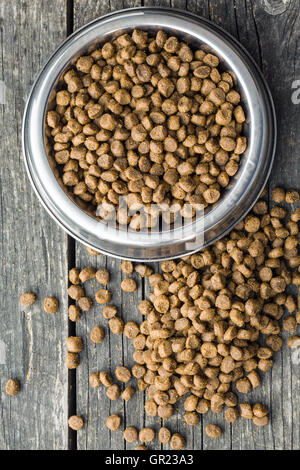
[[36, 254]]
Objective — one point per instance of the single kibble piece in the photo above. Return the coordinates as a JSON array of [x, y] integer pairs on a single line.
[[102, 276], [85, 303], [74, 276], [292, 197], [128, 393], [116, 325], [113, 422], [113, 392], [50, 305], [109, 311], [75, 292], [12, 387], [278, 195], [146, 435], [130, 434], [213, 431], [97, 334], [91, 251], [127, 267], [86, 274], [76, 422], [103, 296], [246, 410], [164, 435], [263, 421], [260, 410], [128, 285], [131, 330], [73, 360], [74, 344], [293, 342], [231, 414], [106, 379], [123, 374], [177, 442], [27, 299], [74, 313], [94, 380], [141, 447]]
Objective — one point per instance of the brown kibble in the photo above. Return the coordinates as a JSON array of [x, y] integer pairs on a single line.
[[289, 323], [260, 410], [231, 414], [177, 442], [74, 344], [164, 435], [243, 385], [141, 447], [191, 418], [146, 435], [292, 197], [75, 292], [293, 342], [113, 392], [213, 431], [116, 325], [50, 305], [127, 267], [27, 299], [97, 334], [131, 330], [130, 434], [113, 422], [260, 421], [128, 285], [246, 411], [102, 276], [128, 393], [123, 374], [76, 422], [94, 380], [73, 360], [109, 311], [86, 274], [106, 379], [85, 303], [278, 195], [73, 313], [103, 296], [12, 387], [74, 276]]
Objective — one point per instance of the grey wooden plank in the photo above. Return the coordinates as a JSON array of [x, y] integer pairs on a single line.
[[275, 39], [32, 247], [115, 350]]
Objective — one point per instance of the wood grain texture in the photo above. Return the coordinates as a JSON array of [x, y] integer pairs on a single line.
[[32, 247]]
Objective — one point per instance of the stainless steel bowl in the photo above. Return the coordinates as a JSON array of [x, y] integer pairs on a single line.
[[235, 202]]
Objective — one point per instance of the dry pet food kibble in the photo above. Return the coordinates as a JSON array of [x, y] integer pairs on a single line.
[[12, 387], [130, 434], [103, 296], [27, 299], [97, 334], [74, 344], [74, 313], [73, 360], [94, 380], [76, 422], [128, 285], [177, 442], [50, 305], [113, 422], [146, 435], [213, 431], [123, 374], [149, 118], [128, 393], [164, 435]]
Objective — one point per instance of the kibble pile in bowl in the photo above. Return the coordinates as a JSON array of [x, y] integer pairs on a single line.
[[150, 119]]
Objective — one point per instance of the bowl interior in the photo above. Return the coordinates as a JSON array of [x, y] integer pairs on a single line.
[[244, 187]]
